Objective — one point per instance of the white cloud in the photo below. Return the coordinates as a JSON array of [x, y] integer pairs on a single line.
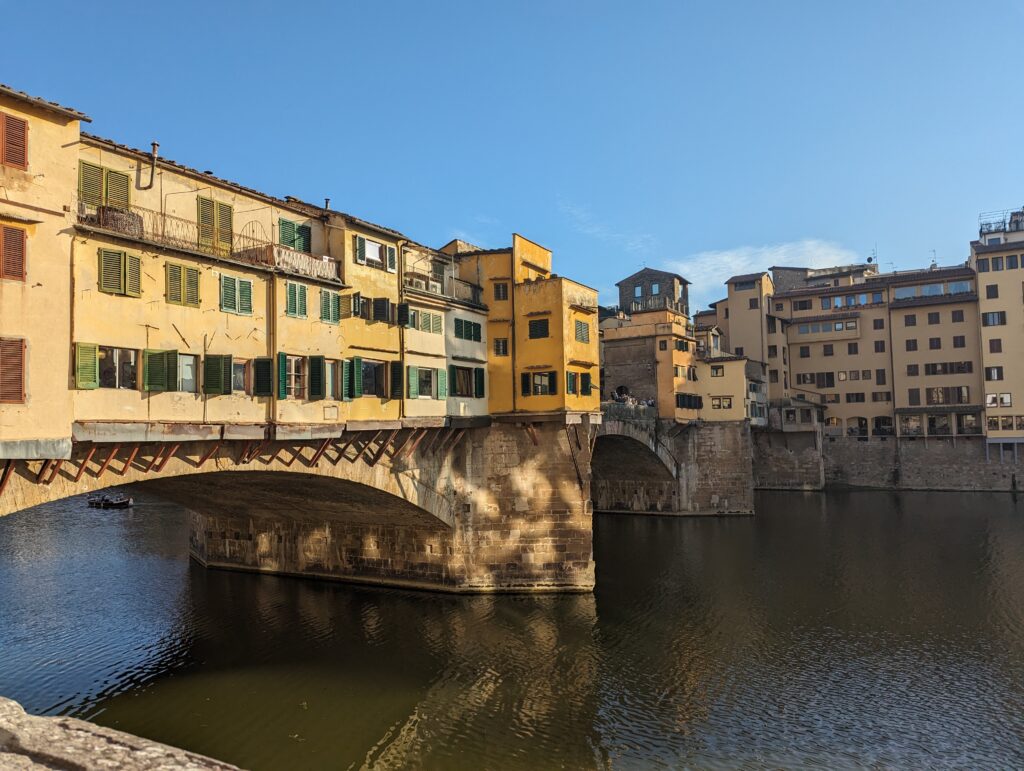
[[708, 271], [583, 221]]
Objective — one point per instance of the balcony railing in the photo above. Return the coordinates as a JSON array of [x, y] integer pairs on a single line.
[[659, 302], [1009, 221], [451, 287], [137, 222], [625, 411]]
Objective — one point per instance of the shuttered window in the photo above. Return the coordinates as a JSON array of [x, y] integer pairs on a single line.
[[14, 141], [216, 225], [263, 377], [236, 295], [12, 253], [479, 377], [182, 285], [12, 370], [87, 373], [538, 328], [317, 378], [585, 384], [295, 299], [330, 306], [582, 332], [468, 330], [396, 389], [217, 374], [295, 236], [159, 370], [392, 259], [98, 186], [120, 273]]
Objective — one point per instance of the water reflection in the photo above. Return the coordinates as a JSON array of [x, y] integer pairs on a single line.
[[842, 630]]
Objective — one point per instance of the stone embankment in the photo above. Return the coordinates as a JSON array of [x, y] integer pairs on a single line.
[[29, 742]]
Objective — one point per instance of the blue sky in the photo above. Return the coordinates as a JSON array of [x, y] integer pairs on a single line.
[[706, 137]]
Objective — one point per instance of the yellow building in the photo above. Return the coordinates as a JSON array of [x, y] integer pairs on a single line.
[[543, 356]]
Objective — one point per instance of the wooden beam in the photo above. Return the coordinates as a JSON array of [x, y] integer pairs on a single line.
[[368, 445], [156, 457], [244, 453], [110, 457], [210, 452], [43, 469], [532, 431], [295, 457], [343, 448], [85, 462], [128, 463], [167, 457], [8, 468], [575, 461], [415, 443], [383, 447], [399, 446], [319, 453], [433, 440], [447, 446], [53, 472]]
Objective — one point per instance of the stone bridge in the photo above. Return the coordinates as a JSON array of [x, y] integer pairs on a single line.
[[505, 506], [643, 464]]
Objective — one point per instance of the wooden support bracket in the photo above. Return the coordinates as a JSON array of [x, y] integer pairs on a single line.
[[155, 459], [319, 453], [110, 457], [421, 435], [167, 457], [209, 453], [128, 463], [447, 446], [85, 462], [368, 445], [442, 435], [53, 472], [383, 447], [575, 460], [244, 453], [399, 446], [43, 470], [6, 476], [531, 429], [343, 448]]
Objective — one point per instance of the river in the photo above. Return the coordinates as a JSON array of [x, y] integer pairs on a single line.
[[842, 630]]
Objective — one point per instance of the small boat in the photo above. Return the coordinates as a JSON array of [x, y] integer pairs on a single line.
[[111, 501]]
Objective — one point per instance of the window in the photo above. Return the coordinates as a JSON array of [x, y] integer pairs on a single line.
[[12, 370], [582, 332], [905, 292], [424, 321], [805, 351], [461, 381], [801, 305], [120, 273], [689, 402], [959, 341], [993, 319], [850, 325], [773, 351], [879, 346], [958, 317], [992, 292], [933, 317], [332, 379], [879, 376], [852, 348], [753, 303], [878, 323], [947, 395], [881, 396], [1011, 262], [182, 284], [721, 402], [295, 377], [826, 303], [240, 376], [369, 378], [538, 328], [983, 265], [993, 373], [773, 376], [501, 291], [570, 382], [330, 306], [682, 345], [501, 346], [717, 370], [911, 344], [854, 374], [236, 295], [98, 186], [188, 365], [934, 343], [1005, 400], [910, 320], [215, 224], [295, 236], [12, 253], [738, 350], [655, 288], [826, 349], [912, 370], [914, 397], [855, 398], [471, 330], [997, 263], [770, 321], [779, 307], [375, 255], [425, 380], [14, 141], [295, 299], [539, 383], [995, 345], [663, 345], [638, 291]]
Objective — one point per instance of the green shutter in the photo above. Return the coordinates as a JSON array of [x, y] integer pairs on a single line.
[[435, 323], [213, 375], [227, 373], [357, 376], [117, 186], [286, 230], [524, 383], [325, 305], [478, 382], [335, 307], [173, 274], [396, 380], [360, 250], [90, 184], [111, 271], [304, 239], [414, 382], [453, 380], [425, 321], [317, 377], [460, 331], [392, 258], [225, 227], [552, 383], [245, 296], [159, 370], [263, 377], [229, 294], [291, 298], [133, 275], [282, 376], [87, 370], [346, 380], [206, 221], [302, 301], [402, 317], [192, 287], [442, 383], [570, 382], [585, 385], [477, 331]]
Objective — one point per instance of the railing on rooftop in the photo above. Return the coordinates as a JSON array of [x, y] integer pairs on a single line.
[[139, 223], [659, 302], [451, 288], [1010, 220], [627, 411]]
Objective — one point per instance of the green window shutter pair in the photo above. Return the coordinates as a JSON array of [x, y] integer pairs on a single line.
[[282, 376], [235, 294], [304, 239], [357, 377], [360, 250], [263, 377], [317, 377], [396, 380], [585, 384], [346, 380], [392, 259], [478, 382], [87, 365], [217, 374], [442, 383], [414, 382], [159, 370], [229, 294], [215, 221], [570, 382], [182, 285], [120, 273], [295, 299], [286, 232], [330, 306]]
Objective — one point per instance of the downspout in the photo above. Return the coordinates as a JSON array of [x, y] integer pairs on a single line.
[[272, 345], [400, 272], [152, 166], [512, 326]]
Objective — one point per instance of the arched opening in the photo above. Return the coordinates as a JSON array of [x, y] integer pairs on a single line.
[[627, 476]]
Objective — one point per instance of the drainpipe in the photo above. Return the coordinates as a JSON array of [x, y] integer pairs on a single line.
[[272, 345], [152, 166], [512, 326], [400, 272]]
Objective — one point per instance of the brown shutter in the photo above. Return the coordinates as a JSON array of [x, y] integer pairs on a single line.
[[15, 142], [12, 370], [12, 253]]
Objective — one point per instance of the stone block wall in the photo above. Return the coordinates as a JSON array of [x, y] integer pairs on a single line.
[[788, 461], [719, 457]]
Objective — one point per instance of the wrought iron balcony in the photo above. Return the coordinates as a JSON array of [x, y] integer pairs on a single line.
[[659, 302], [292, 261], [448, 287]]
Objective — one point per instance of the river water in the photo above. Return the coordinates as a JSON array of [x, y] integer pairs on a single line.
[[840, 630]]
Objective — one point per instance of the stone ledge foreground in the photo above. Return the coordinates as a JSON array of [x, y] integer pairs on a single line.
[[30, 742]]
